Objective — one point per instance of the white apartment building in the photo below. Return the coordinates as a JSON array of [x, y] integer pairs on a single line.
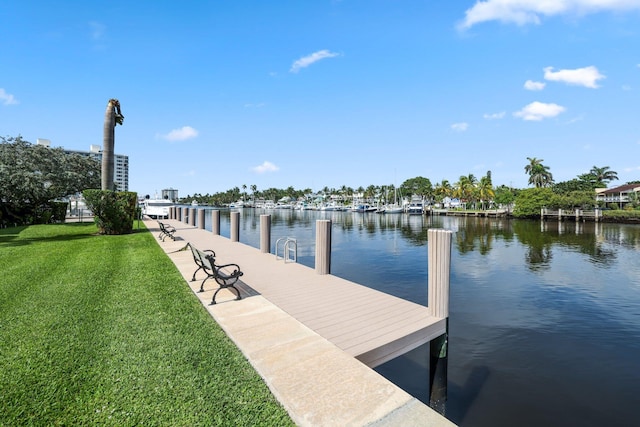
[[120, 163]]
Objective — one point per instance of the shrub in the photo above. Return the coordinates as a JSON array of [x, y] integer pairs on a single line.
[[113, 211]]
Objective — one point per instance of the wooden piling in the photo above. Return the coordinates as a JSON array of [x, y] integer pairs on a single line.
[[323, 246], [439, 271], [185, 214], [235, 226], [265, 234], [215, 222], [201, 219], [192, 216]]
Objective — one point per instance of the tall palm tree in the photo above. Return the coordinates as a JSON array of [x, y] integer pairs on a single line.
[[539, 174], [603, 175], [112, 116], [485, 190]]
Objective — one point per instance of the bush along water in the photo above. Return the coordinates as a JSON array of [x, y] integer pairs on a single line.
[[114, 211]]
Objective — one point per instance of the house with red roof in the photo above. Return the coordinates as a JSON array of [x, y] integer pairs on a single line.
[[621, 195]]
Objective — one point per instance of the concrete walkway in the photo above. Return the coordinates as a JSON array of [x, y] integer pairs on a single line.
[[316, 382]]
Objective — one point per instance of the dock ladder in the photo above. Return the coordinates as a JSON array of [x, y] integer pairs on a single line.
[[289, 249]]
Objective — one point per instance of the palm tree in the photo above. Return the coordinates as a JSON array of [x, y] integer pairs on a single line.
[[112, 116], [485, 190], [603, 175], [464, 188], [539, 174], [443, 189]]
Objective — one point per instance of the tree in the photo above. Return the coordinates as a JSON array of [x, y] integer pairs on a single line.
[[529, 202], [603, 175], [485, 189], [464, 189], [504, 195], [418, 186], [443, 189], [112, 116], [539, 175], [33, 176]]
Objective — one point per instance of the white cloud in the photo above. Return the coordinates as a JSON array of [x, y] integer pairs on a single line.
[[522, 12], [539, 110], [494, 116], [626, 88], [587, 76], [460, 127], [305, 61], [7, 98], [531, 85], [265, 167], [182, 134]]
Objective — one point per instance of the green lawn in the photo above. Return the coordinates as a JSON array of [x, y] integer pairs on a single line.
[[103, 330]]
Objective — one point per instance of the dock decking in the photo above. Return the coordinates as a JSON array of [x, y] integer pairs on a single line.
[[369, 325]]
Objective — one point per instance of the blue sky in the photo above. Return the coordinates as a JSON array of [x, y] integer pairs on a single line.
[[308, 94]]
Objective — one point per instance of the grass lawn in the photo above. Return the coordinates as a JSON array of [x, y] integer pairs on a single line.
[[103, 330]]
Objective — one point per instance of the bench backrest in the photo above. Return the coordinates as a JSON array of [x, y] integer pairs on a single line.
[[202, 259]]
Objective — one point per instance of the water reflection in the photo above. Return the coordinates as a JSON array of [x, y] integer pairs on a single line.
[[545, 316], [597, 241]]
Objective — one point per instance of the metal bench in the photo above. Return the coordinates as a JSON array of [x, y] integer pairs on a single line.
[[166, 230], [225, 275]]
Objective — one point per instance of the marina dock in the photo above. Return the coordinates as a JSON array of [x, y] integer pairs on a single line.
[[314, 337]]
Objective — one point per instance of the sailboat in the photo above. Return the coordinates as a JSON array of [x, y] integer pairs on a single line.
[[394, 207]]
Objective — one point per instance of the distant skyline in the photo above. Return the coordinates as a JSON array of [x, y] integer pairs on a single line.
[[329, 93]]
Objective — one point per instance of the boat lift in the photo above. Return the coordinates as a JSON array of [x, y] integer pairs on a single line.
[[289, 249]]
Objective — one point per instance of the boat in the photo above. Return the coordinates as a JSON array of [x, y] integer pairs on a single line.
[[156, 208], [393, 208], [416, 206]]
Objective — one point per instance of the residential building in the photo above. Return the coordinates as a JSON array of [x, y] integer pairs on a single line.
[[620, 195], [170, 194], [120, 163]]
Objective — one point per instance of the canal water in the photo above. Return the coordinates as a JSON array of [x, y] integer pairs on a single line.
[[544, 316]]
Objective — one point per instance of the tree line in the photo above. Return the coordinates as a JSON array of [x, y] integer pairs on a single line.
[[476, 193]]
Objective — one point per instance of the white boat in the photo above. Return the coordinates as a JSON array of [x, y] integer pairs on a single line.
[[238, 204], [156, 208], [393, 208], [416, 206]]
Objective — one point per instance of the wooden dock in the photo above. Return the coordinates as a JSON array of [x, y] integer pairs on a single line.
[[571, 214], [369, 325], [488, 213]]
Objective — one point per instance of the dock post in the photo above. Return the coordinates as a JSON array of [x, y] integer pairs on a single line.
[[234, 221], [215, 222], [185, 215], [201, 219], [178, 215], [439, 274], [323, 246], [170, 212], [192, 216], [265, 234]]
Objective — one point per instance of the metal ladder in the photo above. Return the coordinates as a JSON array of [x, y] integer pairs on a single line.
[[289, 249]]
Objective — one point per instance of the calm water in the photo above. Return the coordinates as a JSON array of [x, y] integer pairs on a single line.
[[544, 317]]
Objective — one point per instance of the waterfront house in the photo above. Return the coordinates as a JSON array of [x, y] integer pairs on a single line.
[[620, 195]]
